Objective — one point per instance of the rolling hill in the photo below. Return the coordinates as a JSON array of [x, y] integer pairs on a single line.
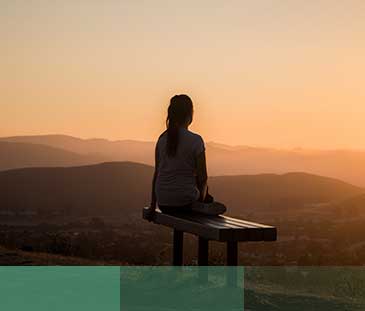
[[103, 189], [18, 155], [279, 192], [121, 150], [353, 207], [346, 165], [122, 188]]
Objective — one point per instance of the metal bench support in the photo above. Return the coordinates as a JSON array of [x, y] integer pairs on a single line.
[[203, 252], [178, 248], [203, 261], [232, 260], [232, 253]]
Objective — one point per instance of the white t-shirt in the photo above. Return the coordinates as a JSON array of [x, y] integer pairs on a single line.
[[176, 177]]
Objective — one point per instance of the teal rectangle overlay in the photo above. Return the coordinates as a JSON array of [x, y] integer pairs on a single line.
[[136, 288], [182, 288], [305, 288], [59, 288]]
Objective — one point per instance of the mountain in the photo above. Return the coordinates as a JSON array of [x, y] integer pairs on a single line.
[[108, 188], [351, 207], [18, 155], [123, 188], [279, 192], [347, 165], [120, 150]]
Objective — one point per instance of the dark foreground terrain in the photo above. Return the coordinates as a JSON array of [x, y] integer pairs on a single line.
[[94, 212]]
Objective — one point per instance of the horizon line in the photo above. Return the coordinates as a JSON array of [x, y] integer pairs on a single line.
[[233, 147]]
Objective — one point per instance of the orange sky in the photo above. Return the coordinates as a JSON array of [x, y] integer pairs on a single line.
[[267, 73]]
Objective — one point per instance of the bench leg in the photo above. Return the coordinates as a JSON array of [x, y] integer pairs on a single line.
[[232, 260], [232, 253], [203, 252], [177, 256]]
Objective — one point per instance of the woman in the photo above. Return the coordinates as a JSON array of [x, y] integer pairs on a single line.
[[180, 178]]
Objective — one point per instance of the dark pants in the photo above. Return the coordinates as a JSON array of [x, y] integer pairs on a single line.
[[183, 208]]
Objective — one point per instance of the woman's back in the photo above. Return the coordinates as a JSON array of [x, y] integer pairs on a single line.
[[176, 179], [180, 179]]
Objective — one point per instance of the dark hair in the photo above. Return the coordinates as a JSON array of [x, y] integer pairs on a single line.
[[179, 112]]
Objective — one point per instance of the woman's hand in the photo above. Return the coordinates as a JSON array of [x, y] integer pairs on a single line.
[[151, 212]]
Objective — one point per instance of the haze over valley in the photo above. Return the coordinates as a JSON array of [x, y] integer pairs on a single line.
[[347, 165]]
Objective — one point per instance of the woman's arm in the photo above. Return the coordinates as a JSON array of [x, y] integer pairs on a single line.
[[153, 192], [202, 176]]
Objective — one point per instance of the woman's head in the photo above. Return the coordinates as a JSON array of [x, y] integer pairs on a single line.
[[180, 111], [179, 114]]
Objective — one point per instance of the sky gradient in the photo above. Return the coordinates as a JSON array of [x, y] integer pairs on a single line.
[[266, 73]]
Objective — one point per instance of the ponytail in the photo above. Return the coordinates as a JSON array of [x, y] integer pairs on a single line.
[[172, 138]]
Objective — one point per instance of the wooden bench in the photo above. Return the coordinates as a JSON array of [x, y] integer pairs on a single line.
[[217, 228]]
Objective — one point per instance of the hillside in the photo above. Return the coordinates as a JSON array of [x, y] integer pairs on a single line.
[[18, 155], [346, 165], [94, 212], [351, 207], [86, 190], [124, 187], [279, 192]]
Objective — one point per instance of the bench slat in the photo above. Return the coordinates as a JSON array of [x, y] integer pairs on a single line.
[[224, 233], [237, 224], [185, 225], [228, 231], [214, 221], [220, 228], [248, 223], [205, 221]]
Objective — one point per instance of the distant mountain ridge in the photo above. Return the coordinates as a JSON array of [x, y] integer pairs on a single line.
[[347, 165], [283, 192], [123, 188], [119, 150], [18, 155]]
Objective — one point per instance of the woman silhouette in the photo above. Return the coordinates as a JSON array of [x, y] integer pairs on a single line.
[[180, 178]]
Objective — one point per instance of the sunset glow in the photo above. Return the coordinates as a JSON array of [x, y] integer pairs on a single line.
[[267, 73]]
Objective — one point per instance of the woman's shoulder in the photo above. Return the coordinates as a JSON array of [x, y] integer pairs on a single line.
[[162, 135], [196, 142], [161, 139], [194, 135]]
